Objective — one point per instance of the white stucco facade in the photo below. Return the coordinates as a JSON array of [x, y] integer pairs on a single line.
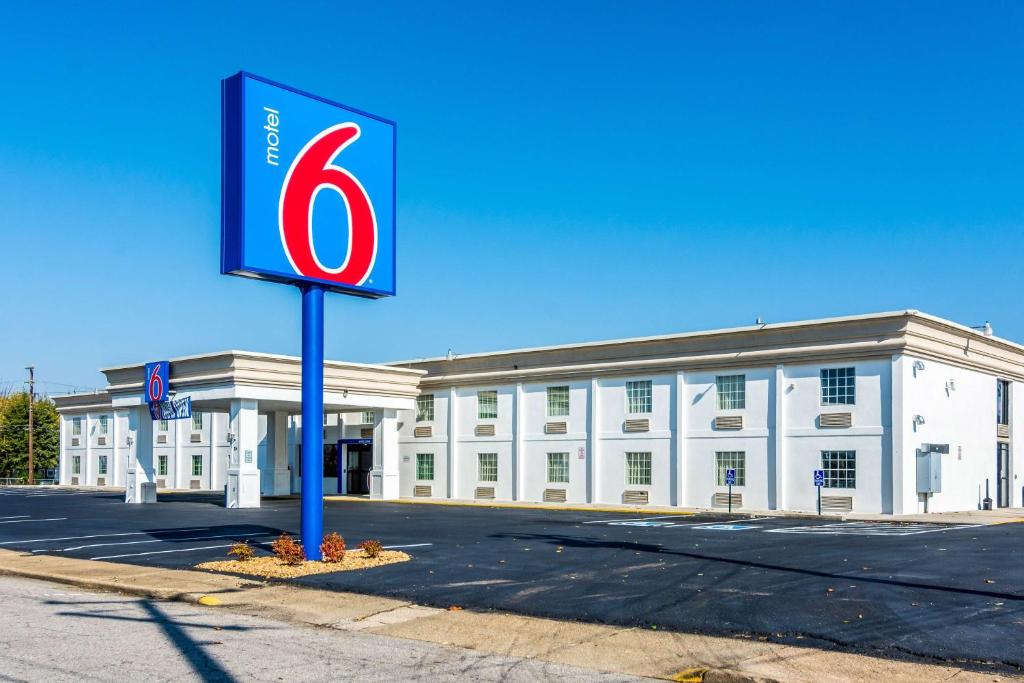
[[634, 421]]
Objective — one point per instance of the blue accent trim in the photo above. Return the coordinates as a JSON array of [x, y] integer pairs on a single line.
[[312, 503]]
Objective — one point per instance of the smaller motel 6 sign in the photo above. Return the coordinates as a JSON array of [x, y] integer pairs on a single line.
[[308, 190]]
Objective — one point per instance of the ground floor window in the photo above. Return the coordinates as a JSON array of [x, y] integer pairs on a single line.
[[101, 465], [161, 465], [638, 469], [488, 466], [558, 468], [425, 466], [731, 460], [330, 459], [197, 465], [76, 464], [840, 469]]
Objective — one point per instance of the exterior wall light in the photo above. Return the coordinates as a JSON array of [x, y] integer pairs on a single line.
[[918, 420]]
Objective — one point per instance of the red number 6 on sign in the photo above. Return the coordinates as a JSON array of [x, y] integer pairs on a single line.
[[311, 172]]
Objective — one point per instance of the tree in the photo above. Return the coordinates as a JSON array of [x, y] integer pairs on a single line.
[[14, 435]]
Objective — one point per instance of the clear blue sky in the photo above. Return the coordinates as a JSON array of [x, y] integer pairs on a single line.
[[567, 171]]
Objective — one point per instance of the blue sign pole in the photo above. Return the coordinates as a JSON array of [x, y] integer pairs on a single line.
[[312, 418]]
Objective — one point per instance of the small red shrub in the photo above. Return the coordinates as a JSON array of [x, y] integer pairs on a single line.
[[288, 551], [242, 550], [333, 548], [371, 548]]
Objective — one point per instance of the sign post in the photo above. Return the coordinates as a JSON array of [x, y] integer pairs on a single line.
[[312, 514], [730, 479], [819, 481], [308, 199]]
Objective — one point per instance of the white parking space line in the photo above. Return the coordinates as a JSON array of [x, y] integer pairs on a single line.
[[127, 533], [16, 517], [164, 552], [631, 519], [48, 519], [411, 545], [868, 529], [153, 540]]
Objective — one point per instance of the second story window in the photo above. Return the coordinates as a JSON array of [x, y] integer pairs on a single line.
[[425, 408], [1002, 402], [197, 422], [638, 397], [368, 417], [76, 426], [838, 386], [558, 401], [163, 425], [487, 405], [104, 426], [731, 391]]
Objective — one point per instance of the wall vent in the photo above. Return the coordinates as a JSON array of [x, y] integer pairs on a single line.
[[101, 481], [195, 438], [832, 420], [635, 497], [195, 484], [729, 422], [161, 438], [423, 431], [556, 428], [366, 433], [74, 481], [75, 441], [721, 500], [101, 441], [484, 430], [1003, 431], [638, 425], [161, 483], [554, 495], [422, 491], [837, 503], [484, 493]]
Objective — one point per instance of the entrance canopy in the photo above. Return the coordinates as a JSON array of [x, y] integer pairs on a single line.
[[214, 380]]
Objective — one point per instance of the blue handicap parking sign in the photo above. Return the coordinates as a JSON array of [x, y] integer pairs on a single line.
[[730, 477], [819, 477]]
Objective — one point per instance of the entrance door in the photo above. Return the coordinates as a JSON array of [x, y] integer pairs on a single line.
[[360, 462], [1003, 475]]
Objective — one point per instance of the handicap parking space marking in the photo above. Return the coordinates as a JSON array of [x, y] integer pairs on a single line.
[[728, 527], [631, 519], [641, 522], [869, 529]]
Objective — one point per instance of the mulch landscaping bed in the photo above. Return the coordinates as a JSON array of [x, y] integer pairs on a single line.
[[272, 568]]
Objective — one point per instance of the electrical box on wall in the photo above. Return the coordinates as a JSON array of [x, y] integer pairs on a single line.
[[929, 469]]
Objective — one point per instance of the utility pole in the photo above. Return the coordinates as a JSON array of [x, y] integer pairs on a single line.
[[31, 399]]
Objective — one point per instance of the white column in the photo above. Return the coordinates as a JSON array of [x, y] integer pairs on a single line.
[[83, 478], [140, 454], [593, 442], [518, 455], [779, 440], [62, 451], [900, 504], [679, 453], [452, 445], [176, 474], [243, 490], [277, 452], [384, 475], [115, 441]]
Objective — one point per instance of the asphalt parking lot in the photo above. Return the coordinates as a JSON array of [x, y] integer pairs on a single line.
[[949, 592]]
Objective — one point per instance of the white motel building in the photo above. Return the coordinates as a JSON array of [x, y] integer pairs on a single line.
[[904, 412]]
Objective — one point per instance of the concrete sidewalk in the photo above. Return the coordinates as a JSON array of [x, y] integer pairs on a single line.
[[659, 654], [998, 516]]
